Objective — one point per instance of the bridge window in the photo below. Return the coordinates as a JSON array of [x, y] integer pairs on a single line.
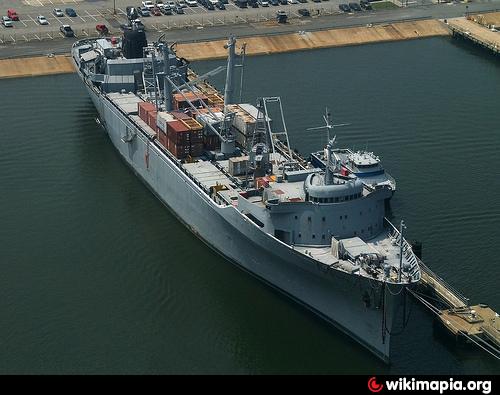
[[314, 236], [336, 200], [323, 237], [323, 219], [345, 216], [296, 217]]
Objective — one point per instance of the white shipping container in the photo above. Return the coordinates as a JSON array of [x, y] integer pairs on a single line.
[[162, 118]]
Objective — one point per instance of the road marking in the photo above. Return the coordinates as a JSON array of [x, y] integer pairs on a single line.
[[25, 25], [95, 20]]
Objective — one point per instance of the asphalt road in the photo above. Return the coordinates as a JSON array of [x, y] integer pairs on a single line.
[[193, 33]]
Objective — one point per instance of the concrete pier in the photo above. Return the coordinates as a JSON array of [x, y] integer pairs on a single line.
[[35, 66], [479, 29]]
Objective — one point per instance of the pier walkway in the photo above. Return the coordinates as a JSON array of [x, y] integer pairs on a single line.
[[472, 29], [477, 324]]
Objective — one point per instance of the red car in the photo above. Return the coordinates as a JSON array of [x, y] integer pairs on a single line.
[[12, 14], [103, 29], [156, 11]]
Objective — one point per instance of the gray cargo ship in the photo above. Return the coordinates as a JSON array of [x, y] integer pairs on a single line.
[[319, 235]]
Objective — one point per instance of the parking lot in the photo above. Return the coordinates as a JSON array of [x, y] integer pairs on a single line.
[[112, 14]]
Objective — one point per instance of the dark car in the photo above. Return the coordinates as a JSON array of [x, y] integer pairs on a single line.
[[354, 7], [67, 31], [344, 8], [302, 1], [209, 6], [365, 5], [275, 2], [284, 2], [70, 12], [317, 1], [179, 10], [220, 5], [304, 12], [281, 16]]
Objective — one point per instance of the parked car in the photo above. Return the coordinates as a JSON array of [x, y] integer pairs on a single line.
[[304, 12], [253, 3], [181, 3], [302, 1], [42, 20], [263, 3], [57, 12], [355, 7], [160, 3], [293, 2], [179, 10], [191, 3], [170, 3], [143, 11], [156, 11], [166, 9], [102, 29], [220, 5], [275, 2], [209, 6], [317, 1], [7, 22], [344, 8], [365, 5], [70, 12], [67, 31], [12, 14], [281, 16], [148, 4], [283, 2]]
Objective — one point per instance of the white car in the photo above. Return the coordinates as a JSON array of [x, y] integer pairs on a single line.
[[191, 3], [6, 21], [171, 3], [148, 4], [293, 2], [181, 3], [264, 3], [57, 12], [42, 20]]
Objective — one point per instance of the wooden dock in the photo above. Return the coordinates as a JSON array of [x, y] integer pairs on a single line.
[[477, 324], [472, 29]]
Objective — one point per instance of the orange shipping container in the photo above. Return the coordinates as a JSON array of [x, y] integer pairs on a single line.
[[144, 108]]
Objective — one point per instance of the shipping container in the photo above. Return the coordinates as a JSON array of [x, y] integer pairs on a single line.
[[180, 102], [238, 165], [152, 119], [196, 149], [144, 108], [178, 132], [162, 118]]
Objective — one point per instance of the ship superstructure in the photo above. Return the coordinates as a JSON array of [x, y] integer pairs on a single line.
[[316, 233]]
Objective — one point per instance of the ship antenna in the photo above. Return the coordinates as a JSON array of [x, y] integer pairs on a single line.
[[328, 125]]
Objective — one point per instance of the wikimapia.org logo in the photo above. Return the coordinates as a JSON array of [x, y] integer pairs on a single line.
[[404, 384]]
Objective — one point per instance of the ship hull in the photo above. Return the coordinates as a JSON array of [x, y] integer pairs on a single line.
[[363, 309]]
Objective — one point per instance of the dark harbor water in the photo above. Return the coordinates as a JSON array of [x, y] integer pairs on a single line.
[[97, 276]]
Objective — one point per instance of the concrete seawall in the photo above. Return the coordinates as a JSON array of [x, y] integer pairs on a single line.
[[264, 45], [258, 45]]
